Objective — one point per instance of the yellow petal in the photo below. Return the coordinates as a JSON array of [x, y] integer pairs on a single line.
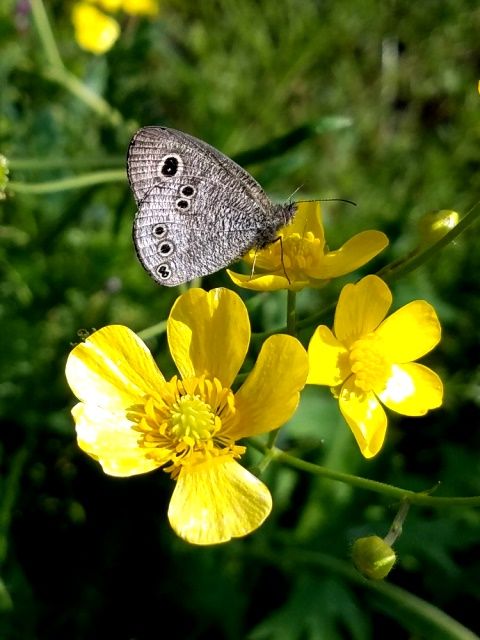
[[268, 282], [270, 394], [209, 333], [216, 501], [94, 31], [112, 369], [360, 309], [328, 359], [410, 332], [108, 437], [365, 417], [353, 254], [308, 217], [412, 390]]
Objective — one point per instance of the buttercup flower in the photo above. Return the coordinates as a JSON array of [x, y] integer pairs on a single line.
[[369, 359], [132, 420], [303, 255], [133, 7], [94, 30]]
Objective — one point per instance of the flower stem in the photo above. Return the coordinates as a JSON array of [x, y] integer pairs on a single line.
[[57, 72], [291, 312], [396, 268], [46, 164], [45, 34], [407, 605], [420, 498], [65, 184], [153, 331], [397, 525], [418, 256]]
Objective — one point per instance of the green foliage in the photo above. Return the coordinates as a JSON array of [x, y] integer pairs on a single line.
[[375, 102]]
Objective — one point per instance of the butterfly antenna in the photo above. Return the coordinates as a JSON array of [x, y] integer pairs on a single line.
[[329, 200]]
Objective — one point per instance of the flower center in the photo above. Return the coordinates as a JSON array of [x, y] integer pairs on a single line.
[[301, 252], [191, 419], [186, 423], [368, 364], [296, 254]]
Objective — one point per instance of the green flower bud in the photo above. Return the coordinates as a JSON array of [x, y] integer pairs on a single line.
[[434, 225], [373, 557]]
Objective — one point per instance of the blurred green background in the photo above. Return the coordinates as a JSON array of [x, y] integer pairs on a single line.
[[382, 104]]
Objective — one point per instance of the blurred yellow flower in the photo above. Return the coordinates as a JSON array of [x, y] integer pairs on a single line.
[[140, 7], [132, 420], [97, 32], [133, 7], [368, 359], [303, 255], [94, 30]]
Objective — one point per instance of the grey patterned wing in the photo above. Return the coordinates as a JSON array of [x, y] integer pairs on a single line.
[[209, 231], [152, 146], [198, 211]]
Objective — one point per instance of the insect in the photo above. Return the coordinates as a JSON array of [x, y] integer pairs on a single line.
[[198, 210]]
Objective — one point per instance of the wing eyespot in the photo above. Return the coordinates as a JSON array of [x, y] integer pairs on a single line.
[[182, 204], [163, 271], [170, 165], [187, 191], [165, 248], [159, 230]]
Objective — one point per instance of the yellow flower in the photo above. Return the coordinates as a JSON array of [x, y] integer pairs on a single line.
[[369, 359], [132, 420], [303, 256], [94, 31], [133, 7], [140, 7]]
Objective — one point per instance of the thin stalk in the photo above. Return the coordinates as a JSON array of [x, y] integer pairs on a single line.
[[406, 605], [291, 312], [66, 184], [412, 497]]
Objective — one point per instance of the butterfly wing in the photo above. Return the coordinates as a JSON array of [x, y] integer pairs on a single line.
[[198, 211]]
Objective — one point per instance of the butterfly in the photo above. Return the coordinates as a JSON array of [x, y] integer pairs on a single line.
[[198, 210]]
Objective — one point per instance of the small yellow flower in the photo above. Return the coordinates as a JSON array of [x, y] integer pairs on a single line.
[[94, 31], [368, 359], [303, 256], [140, 7], [133, 7], [132, 420]]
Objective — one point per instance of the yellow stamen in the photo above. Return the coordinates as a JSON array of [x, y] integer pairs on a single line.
[[187, 423], [300, 254], [368, 364]]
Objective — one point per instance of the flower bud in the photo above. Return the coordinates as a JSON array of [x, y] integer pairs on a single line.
[[434, 225], [373, 557]]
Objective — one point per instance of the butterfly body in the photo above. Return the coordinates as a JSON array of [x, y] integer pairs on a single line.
[[198, 211]]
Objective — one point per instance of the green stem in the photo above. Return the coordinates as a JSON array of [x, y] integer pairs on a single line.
[[57, 72], [65, 184], [46, 164], [80, 90], [291, 312], [412, 497], [392, 271], [405, 605], [418, 257], [45, 34], [154, 330], [395, 530]]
